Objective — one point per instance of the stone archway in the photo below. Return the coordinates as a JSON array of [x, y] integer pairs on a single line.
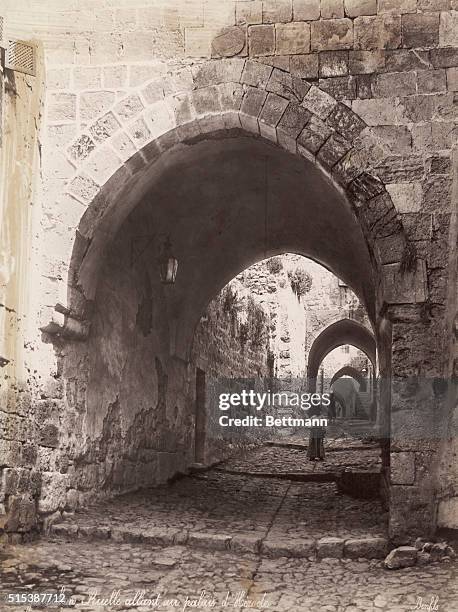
[[353, 373], [111, 156], [124, 155], [345, 331]]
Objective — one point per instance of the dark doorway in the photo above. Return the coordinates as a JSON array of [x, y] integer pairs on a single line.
[[201, 417]]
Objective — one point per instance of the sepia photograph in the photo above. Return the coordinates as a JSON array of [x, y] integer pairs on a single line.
[[228, 305]]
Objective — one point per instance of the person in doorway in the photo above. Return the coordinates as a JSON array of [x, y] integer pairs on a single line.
[[315, 450]]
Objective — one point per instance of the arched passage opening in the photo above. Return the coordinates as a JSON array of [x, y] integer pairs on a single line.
[[234, 100], [345, 331], [352, 373], [328, 206], [241, 199], [225, 201]]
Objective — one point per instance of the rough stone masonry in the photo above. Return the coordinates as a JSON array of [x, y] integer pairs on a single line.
[[148, 119]]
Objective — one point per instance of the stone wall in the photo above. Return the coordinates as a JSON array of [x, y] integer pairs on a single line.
[[231, 346], [448, 494], [130, 422], [20, 118], [232, 337]]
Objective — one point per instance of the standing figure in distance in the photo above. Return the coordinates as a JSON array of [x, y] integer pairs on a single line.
[[315, 448]]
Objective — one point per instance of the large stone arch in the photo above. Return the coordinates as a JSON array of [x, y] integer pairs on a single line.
[[224, 97], [345, 331], [119, 157]]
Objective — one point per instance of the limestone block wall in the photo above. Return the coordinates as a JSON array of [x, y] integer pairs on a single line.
[[232, 338], [20, 117], [231, 345], [448, 494]]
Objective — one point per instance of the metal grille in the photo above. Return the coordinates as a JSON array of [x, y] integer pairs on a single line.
[[2, 28], [20, 56]]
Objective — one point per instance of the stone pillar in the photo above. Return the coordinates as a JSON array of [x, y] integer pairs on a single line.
[[417, 421], [382, 398]]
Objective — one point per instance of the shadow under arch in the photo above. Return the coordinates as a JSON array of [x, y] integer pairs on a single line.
[[345, 331], [228, 201]]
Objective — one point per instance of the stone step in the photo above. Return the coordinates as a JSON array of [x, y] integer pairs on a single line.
[[294, 476], [275, 545], [297, 446]]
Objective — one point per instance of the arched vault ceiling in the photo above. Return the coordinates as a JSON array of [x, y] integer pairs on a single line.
[[226, 203]]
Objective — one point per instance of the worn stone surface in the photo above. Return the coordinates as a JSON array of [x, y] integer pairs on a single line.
[[252, 101], [294, 119], [229, 42], [344, 121], [448, 30], [364, 547], [397, 6], [365, 62], [333, 63], [332, 34], [256, 74], [403, 468], [249, 12], [333, 150], [314, 134], [53, 491], [292, 38], [407, 197], [178, 573], [261, 40], [274, 11], [340, 88], [404, 556], [319, 102], [306, 10], [356, 8], [330, 547], [395, 84], [420, 30], [273, 109], [304, 66], [377, 32], [62, 106], [332, 9]]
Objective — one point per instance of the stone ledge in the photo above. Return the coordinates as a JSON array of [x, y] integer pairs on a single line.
[[272, 546]]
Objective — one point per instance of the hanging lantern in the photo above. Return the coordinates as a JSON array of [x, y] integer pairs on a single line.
[[168, 264]]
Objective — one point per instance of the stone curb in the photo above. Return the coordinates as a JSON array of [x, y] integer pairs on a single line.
[[274, 547], [291, 476]]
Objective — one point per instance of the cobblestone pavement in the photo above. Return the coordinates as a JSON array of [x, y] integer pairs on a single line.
[[252, 543], [288, 457], [225, 510], [234, 510], [180, 575]]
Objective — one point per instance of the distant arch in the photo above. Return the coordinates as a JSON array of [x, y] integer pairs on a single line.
[[353, 373], [345, 331]]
